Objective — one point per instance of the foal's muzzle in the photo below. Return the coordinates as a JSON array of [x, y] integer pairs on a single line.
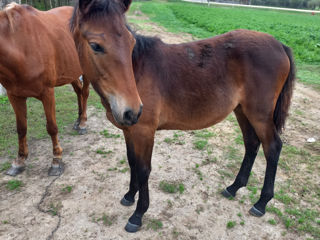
[[130, 118]]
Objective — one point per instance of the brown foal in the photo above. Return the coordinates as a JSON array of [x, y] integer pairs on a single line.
[[184, 86], [37, 54]]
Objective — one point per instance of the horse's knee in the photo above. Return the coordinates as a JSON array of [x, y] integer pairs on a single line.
[[52, 129]]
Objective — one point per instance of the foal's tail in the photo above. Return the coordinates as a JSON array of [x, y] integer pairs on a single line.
[[282, 107]]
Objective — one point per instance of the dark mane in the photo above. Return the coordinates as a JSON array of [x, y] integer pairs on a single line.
[[144, 45], [98, 9]]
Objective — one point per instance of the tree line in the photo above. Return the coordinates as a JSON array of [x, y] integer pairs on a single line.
[[40, 4]]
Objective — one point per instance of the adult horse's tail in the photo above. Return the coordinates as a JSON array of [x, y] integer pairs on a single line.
[[282, 107]]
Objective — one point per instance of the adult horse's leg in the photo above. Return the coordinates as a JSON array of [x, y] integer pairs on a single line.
[[85, 95], [20, 108], [140, 142], [82, 117], [272, 146], [251, 143], [48, 101]]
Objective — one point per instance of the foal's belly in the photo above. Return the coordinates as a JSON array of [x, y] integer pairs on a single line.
[[180, 118]]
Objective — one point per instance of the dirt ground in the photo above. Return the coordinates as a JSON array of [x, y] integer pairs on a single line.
[[44, 209]]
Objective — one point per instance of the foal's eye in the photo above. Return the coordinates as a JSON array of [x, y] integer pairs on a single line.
[[96, 47]]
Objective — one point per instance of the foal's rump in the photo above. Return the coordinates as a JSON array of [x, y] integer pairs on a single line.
[[206, 80]]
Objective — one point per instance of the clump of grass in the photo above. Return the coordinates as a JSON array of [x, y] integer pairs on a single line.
[[101, 151], [155, 224], [5, 166], [205, 133], [231, 224], [272, 222], [106, 134], [67, 189], [107, 221], [200, 144], [171, 187], [14, 185], [176, 139]]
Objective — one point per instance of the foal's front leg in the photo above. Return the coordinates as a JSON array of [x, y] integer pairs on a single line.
[[139, 147], [20, 108], [48, 101]]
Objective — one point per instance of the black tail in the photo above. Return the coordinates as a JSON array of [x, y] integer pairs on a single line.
[[282, 107]]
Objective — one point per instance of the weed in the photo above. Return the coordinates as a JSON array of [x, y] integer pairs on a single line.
[[231, 224], [272, 222], [171, 187], [5, 166], [67, 189], [106, 134], [14, 185], [155, 224], [200, 144]]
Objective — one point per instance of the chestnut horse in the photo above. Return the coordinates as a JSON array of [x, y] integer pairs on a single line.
[[37, 54], [184, 86]]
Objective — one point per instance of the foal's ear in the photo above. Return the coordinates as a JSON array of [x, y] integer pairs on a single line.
[[126, 4], [84, 5]]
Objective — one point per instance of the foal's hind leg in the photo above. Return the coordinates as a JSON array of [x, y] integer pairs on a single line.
[[272, 145], [140, 143], [80, 123], [251, 143], [20, 108], [48, 102]]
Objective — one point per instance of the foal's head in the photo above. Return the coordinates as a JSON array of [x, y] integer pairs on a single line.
[[105, 48]]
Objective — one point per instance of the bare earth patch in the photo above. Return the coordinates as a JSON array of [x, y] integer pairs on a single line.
[[84, 203]]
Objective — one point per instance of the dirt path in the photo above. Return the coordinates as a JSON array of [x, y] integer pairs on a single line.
[[97, 178]]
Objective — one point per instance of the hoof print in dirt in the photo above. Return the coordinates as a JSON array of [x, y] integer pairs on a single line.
[[56, 170], [14, 171], [126, 202], [132, 228], [227, 194], [255, 212]]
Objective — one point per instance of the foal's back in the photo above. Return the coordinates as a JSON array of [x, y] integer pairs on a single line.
[[39, 50]]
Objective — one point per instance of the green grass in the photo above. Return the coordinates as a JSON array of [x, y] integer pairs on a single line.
[[171, 187], [298, 30], [155, 224], [14, 185], [231, 224], [4, 166], [200, 144], [106, 134], [67, 189], [66, 115]]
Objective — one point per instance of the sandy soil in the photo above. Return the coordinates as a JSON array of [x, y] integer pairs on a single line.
[[199, 213]]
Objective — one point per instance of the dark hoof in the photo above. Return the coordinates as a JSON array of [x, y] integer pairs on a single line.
[[126, 202], [76, 125], [255, 212], [14, 171], [56, 170], [82, 131], [227, 194], [132, 228]]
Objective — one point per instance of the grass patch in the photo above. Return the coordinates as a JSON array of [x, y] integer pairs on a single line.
[[200, 144], [171, 187], [5, 166], [155, 224], [231, 224], [14, 185], [106, 134], [176, 139], [67, 189]]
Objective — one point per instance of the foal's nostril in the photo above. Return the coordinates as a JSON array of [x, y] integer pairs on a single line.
[[128, 116]]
